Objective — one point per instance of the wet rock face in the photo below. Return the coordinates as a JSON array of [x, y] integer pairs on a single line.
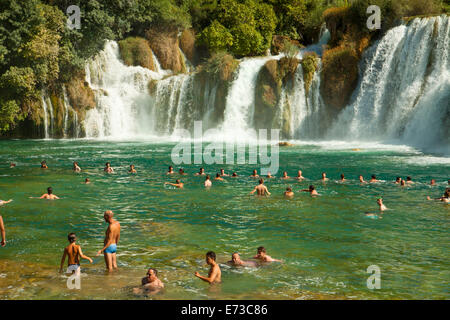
[[165, 45], [278, 43], [267, 94], [187, 44]]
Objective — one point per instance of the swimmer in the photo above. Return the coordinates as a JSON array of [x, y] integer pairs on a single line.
[[324, 176], [402, 183], [132, 169], [288, 193], [409, 180], [433, 182], [342, 178], [12, 165], [170, 170], [2, 202], [299, 175], [48, 196], [111, 241], [361, 179], [3, 232], [398, 180], [151, 283], [374, 179], [218, 177], [237, 262], [223, 174], [234, 175], [285, 175], [108, 168], [87, 181], [381, 206], [76, 167], [372, 215], [312, 190], [254, 174], [261, 189], [201, 172], [445, 198], [177, 184], [44, 165], [74, 253], [181, 171], [269, 175], [208, 182], [261, 255], [214, 274]]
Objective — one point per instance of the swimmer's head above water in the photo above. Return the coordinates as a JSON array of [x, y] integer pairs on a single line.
[[108, 215], [72, 237], [210, 257], [49, 190]]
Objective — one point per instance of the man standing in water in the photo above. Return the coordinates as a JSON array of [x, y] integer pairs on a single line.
[[3, 232], [261, 189], [111, 240], [381, 205], [214, 274]]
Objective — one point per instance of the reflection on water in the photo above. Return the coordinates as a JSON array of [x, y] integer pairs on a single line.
[[326, 243]]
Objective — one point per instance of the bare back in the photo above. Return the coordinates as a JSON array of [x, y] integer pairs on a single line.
[[113, 233]]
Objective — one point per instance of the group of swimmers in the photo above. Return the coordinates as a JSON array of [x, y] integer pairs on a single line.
[[151, 283]]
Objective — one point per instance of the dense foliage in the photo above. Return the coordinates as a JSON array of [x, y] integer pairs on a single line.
[[38, 52]]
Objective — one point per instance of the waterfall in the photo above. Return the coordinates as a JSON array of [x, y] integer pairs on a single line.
[[52, 119], [66, 111], [44, 106], [404, 91]]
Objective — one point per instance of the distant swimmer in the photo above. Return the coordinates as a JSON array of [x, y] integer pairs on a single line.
[[48, 196], [208, 182], [111, 241], [409, 180], [108, 168], [74, 253], [44, 165], [299, 175], [3, 232], [374, 179], [433, 182], [261, 189], [201, 172], [398, 180], [269, 175], [234, 175], [76, 167], [237, 262], [150, 283], [170, 170], [381, 206], [254, 174], [263, 256], [181, 171], [312, 190], [177, 184], [223, 174], [132, 169], [324, 177], [87, 181], [342, 178], [214, 274], [218, 177], [402, 182], [361, 179], [285, 175], [289, 193], [372, 215], [12, 165], [2, 202], [445, 198]]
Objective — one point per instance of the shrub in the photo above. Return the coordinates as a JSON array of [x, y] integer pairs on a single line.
[[309, 63], [216, 37], [136, 52]]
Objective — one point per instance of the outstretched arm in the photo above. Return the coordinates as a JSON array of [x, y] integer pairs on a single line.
[[267, 190], [85, 257], [254, 190]]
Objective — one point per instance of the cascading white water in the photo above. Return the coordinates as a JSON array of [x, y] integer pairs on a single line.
[[44, 106], [66, 111], [52, 118], [404, 91]]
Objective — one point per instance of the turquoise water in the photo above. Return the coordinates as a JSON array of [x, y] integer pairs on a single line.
[[326, 243]]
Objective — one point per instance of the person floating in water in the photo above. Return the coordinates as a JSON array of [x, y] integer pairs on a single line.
[[214, 274], [374, 179], [237, 262], [44, 165], [299, 175], [223, 174], [3, 232], [342, 178], [432, 182], [234, 175], [324, 177], [312, 190], [201, 172], [170, 170], [74, 253], [177, 184], [445, 198], [12, 165], [208, 182], [150, 283], [218, 177], [289, 193], [2, 202], [361, 179], [285, 175], [181, 171], [254, 174], [108, 168], [87, 181], [76, 167], [111, 241], [261, 189], [402, 183], [398, 180], [263, 256], [132, 169], [48, 196], [409, 180], [269, 175]]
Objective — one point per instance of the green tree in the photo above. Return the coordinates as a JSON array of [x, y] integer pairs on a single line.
[[216, 37]]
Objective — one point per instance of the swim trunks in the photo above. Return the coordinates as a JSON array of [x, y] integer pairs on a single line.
[[112, 248], [72, 268]]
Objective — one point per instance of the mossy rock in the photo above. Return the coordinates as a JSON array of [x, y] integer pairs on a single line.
[[80, 94], [267, 94], [165, 45], [309, 63], [136, 52], [278, 42], [187, 44]]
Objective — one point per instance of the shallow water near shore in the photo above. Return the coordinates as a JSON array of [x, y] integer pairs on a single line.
[[326, 243]]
